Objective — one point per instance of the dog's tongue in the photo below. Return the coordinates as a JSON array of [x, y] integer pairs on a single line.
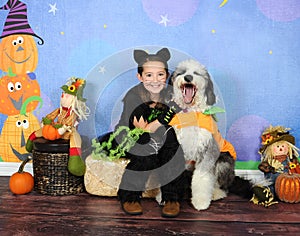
[[188, 94]]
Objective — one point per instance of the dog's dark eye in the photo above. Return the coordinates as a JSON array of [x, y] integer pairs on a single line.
[[196, 73], [180, 72]]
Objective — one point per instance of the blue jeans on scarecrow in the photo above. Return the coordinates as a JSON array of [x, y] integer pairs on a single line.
[[271, 177]]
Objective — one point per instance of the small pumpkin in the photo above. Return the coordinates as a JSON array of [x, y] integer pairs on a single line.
[[21, 182], [287, 187], [49, 130]]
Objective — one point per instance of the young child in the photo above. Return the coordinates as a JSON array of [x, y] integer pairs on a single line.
[[157, 151]]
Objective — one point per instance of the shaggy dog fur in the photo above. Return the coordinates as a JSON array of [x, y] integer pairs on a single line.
[[212, 172]]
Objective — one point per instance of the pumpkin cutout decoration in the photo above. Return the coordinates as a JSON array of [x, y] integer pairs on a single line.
[[287, 187], [15, 90], [21, 182], [15, 130], [18, 52]]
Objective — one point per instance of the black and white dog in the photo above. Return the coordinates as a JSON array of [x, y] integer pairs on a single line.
[[210, 158]]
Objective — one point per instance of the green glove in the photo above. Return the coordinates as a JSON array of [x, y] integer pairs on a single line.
[[167, 115]]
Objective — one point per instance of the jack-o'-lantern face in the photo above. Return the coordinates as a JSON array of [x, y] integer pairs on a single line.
[[16, 129], [14, 91], [18, 52]]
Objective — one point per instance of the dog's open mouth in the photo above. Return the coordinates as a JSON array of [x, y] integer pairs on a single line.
[[188, 92]]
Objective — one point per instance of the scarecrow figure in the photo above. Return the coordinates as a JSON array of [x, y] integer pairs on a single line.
[[72, 110], [278, 155]]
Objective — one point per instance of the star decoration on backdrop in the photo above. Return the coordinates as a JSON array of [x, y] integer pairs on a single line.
[[164, 20], [53, 8], [102, 69]]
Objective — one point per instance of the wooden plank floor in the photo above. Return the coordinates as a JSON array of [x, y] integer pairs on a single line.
[[85, 214]]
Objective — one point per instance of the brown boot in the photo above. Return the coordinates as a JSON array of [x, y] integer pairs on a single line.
[[171, 209], [132, 208]]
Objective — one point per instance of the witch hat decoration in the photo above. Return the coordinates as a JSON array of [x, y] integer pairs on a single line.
[[16, 21]]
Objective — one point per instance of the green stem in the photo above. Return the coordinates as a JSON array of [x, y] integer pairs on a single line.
[[21, 168], [28, 100]]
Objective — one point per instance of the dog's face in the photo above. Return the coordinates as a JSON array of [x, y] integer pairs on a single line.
[[192, 86]]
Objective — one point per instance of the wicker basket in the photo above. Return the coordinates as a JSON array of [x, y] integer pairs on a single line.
[[51, 175]]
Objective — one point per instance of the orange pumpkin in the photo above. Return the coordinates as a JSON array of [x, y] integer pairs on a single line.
[[18, 52], [287, 187], [21, 182], [15, 90], [50, 132]]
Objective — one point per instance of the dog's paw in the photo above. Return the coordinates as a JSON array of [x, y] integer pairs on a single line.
[[200, 204], [218, 194]]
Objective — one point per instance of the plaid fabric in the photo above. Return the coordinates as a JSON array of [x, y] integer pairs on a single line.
[[15, 131], [64, 117]]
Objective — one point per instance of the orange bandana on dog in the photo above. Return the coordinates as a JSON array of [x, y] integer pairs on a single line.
[[183, 120]]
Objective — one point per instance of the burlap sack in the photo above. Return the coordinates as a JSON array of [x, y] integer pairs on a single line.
[[102, 177]]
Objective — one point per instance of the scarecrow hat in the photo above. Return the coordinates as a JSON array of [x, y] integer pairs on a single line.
[[274, 134], [16, 21], [75, 88]]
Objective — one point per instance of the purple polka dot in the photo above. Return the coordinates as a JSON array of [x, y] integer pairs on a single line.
[[245, 134], [46, 108], [176, 12], [280, 10]]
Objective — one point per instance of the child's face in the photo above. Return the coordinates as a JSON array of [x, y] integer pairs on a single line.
[[154, 76], [280, 148]]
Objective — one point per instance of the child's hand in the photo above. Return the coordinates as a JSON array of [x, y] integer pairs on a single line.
[[141, 123]]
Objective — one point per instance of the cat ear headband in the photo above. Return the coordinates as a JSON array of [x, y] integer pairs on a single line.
[[141, 56]]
